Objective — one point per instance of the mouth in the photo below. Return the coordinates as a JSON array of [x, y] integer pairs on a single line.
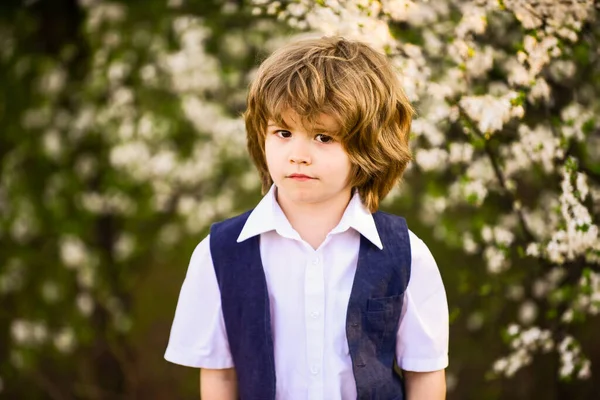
[[300, 177]]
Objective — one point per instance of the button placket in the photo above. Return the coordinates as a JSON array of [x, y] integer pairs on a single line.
[[314, 303]]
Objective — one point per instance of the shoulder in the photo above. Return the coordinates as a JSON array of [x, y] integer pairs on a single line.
[[201, 254], [420, 251], [391, 228], [420, 254], [424, 268], [385, 217]]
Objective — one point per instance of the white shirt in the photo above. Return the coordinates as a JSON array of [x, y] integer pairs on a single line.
[[308, 293]]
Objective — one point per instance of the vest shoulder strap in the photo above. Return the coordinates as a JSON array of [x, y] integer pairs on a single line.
[[246, 308]]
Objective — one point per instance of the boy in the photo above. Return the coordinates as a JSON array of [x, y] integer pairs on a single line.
[[314, 294]]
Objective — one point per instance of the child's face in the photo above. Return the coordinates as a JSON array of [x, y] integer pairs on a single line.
[[307, 166]]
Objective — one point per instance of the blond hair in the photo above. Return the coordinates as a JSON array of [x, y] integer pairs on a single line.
[[349, 81]]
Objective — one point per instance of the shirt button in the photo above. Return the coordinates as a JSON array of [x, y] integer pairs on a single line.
[[314, 370], [315, 261], [314, 314]]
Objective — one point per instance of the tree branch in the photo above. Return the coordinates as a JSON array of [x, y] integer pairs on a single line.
[[500, 176]]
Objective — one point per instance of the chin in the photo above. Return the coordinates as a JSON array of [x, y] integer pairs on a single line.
[[300, 194]]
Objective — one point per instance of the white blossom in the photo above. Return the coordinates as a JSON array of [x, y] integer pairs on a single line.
[[539, 91], [73, 252], [496, 260], [53, 81], [470, 246], [460, 153], [475, 321], [534, 146], [85, 303], [491, 112], [524, 343], [52, 144], [29, 333], [528, 312], [124, 246], [431, 159], [571, 359], [64, 340], [580, 235]]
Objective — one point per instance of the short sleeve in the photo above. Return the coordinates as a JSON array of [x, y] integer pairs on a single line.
[[198, 337], [422, 338]]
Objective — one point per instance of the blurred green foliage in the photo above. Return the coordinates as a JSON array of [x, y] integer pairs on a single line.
[[93, 251]]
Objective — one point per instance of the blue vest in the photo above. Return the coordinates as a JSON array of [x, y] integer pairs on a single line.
[[372, 317]]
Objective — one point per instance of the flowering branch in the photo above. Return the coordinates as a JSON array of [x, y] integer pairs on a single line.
[[498, 173]]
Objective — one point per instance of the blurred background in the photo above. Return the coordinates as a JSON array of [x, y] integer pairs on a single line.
[[121, 142]]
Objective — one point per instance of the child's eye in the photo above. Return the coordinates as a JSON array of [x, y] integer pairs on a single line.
[[323, 138], [283, 134]]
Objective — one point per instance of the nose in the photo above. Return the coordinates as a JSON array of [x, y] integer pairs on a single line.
[[300, 152]]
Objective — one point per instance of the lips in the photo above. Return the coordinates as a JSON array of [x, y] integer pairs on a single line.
[[300, 177]]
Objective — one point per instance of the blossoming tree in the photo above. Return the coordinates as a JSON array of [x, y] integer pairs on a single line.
[[507, 137], [121, 142]]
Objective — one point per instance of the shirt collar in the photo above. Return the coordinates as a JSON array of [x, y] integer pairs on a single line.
[[359, 218], [268, 216], [261, 219]]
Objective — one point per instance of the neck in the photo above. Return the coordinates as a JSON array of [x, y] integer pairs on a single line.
[[313, 221]]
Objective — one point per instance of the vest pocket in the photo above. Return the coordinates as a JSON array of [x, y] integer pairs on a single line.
[[382, 316]]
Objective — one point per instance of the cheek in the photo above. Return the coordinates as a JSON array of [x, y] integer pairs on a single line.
[[270, 152], [340, 161]]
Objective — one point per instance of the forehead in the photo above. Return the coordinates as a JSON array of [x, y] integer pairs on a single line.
[[292, 120]]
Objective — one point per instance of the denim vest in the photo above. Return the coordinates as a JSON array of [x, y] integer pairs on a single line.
[[372, 317]]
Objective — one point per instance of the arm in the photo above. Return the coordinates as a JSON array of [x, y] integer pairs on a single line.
[[425, 385], [218, 384], [198, 336], [422, 339]]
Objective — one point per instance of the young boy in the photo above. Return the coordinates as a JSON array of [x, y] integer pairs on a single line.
[[313, 294]]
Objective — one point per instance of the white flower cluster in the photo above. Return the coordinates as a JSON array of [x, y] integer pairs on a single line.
[[542, 219], [489, 112], [579, 235], [479, 178], [562, 21], [587, 299], [190, 69], [559, 16], [352, 18], [141, 151], [524, 343], [571, 359], [35, 333], [538, 145], [73, 252], [102, 12], [448, 76], [545, 285], [575, 117], [497, 240]]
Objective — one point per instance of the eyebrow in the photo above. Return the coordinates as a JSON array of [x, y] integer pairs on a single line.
[[282, 125]]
